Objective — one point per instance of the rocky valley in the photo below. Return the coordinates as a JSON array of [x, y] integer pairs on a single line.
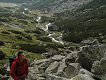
[[62, 39]]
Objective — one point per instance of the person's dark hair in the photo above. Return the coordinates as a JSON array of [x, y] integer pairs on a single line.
[[19, 53]]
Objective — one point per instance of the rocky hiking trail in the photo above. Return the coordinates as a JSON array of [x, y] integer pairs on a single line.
[[88, 63]]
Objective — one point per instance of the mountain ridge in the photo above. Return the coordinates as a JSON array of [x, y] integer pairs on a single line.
[[15, 1]]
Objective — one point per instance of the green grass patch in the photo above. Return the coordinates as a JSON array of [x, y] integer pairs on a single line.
[[2, 62], [34, 56], [8, 51], [11, 52]]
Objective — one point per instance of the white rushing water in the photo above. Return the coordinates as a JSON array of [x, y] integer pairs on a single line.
[[26, 9], [23, 12], [39, 19], [47, 26], [50, 35], [54, 40], [57, 40]]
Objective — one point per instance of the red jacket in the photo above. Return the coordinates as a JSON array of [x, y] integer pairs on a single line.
[[19, 69]]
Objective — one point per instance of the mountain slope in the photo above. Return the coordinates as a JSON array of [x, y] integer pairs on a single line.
[[87, 21], [15, 1], [58, 6]]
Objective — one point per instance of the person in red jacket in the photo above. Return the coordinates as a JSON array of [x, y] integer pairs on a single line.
[[19, 68]]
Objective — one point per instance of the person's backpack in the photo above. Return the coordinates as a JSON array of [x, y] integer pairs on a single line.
[[11, 60]]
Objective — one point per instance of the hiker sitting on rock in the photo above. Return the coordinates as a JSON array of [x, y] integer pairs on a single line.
[[19, 68]]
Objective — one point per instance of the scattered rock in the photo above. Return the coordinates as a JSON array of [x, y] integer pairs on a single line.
[[71, 70], [86, 42], [45, 65], [54, 77], [50, 53], [96, 68], [83, 75], [84, 61], [61, 68], [103, 64], [53, 67], [38, 62], [71, 58], [89, 63], [57, 57], [90, 53], [89, 42]]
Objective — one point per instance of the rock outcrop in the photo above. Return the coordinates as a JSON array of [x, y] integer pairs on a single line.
[[89, 63]]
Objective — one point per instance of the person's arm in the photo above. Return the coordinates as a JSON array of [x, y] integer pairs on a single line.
[[26, 69], [12, 71]]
